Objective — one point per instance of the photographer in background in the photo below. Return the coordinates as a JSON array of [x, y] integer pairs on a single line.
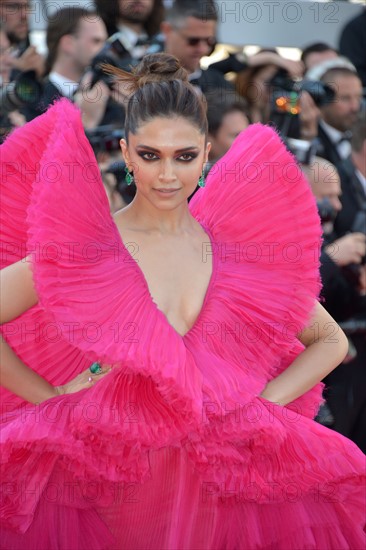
[[337, 117], [189, 30], [10, 100], [323, 105], [74, 36], [21, 66], [317, 52], [343, 273], [254, 83], [226, 117], [25, 57], [5, 56], [353, 177], [133, 27], [139, 20], [15, 18], [342, 297]]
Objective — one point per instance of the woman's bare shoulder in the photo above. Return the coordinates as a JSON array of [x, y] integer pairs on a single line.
[[122, 218]]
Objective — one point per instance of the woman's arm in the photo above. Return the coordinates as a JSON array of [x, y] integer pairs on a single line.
[[326, 346], [16, 377], [294, 68], [17, 295]]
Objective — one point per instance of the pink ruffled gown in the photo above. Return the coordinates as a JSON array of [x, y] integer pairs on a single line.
[[173, 449]]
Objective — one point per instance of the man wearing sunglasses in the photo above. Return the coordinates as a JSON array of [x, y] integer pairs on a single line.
[[189, 30]]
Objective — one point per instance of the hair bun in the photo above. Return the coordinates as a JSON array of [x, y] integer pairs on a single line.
[[159, 67], [155, 67]]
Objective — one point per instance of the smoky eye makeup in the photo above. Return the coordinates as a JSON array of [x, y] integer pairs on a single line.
[[147, 155], [190, 155], [183, 156]]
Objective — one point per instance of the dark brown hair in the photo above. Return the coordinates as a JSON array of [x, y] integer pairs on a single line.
[[316, 47], [244, 80], [220, 104], [64, 21], [109, 12], [159, 87]]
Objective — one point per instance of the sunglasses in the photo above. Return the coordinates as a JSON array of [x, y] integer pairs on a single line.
[[210, 41]]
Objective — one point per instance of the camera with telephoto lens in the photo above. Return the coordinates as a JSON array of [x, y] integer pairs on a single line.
[[286, 93], [116, 53], [285, 106], [23, 91]]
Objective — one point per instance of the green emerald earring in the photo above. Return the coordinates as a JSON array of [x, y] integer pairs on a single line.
[[128, 177], [201, 180]]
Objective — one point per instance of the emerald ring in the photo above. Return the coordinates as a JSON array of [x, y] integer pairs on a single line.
[[95, 368]]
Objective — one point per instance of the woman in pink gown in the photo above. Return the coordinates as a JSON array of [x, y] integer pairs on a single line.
[[198, 432]]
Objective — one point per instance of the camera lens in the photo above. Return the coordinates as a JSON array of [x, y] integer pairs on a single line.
[[27, 91], [326, 211], [24, 90]]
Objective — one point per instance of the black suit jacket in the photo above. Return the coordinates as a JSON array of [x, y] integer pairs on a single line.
[[212, 81], [326, 148], [353, 198], [352, 44], [342, 299], [49, 94]]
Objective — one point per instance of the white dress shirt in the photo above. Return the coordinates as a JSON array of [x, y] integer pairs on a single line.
[[335, 136], [66, 86]]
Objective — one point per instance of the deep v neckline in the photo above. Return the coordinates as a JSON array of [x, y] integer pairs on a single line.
[[146, 286]]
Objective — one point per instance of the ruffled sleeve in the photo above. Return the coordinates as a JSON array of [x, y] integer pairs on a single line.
[[34, 336], [94, 302], [267, 234], [259, 205]]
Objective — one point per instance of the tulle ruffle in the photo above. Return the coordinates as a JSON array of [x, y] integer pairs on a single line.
[[196, 394], [266, 231]]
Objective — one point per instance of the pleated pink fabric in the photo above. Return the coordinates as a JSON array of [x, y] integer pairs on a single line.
[[173, 449]]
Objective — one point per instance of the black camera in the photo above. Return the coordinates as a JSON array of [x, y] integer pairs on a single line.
[[286, 93], [24, 90], [285, 101], [327, 212], [116, 52], [105, 138]]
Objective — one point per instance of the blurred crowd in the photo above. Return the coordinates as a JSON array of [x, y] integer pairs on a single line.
[[317, 104]]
